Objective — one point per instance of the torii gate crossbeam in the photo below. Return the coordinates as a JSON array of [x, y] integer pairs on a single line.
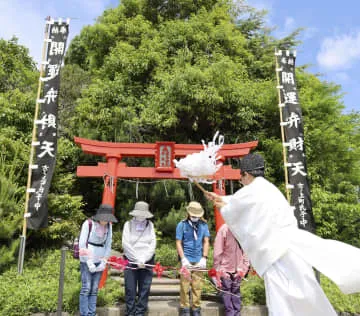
[[163, 154]]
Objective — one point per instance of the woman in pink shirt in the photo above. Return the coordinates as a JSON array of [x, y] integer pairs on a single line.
[[233, 264]]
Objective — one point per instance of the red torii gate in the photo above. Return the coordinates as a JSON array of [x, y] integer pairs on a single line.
[[164, 153]]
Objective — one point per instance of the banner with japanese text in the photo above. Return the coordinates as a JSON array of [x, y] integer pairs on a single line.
[[46, 132], [292, 123]]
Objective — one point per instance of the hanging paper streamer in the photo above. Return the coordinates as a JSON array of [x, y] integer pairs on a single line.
[[201, 166]]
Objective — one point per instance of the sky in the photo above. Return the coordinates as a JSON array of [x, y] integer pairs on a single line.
[[330, 41]]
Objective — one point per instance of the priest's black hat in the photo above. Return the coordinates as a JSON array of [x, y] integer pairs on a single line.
[[253, 164]]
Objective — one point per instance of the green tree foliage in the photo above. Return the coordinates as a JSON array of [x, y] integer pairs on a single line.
[[73, 80], [169, 222], [17, 67], [17, 78], [175, 70], [10, 212], [332, 141], [17, 94]]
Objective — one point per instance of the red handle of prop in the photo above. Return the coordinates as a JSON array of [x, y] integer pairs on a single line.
[[103, 278]]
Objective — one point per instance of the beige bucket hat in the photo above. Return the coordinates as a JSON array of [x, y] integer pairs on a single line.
[[141, 209], [195, 209]]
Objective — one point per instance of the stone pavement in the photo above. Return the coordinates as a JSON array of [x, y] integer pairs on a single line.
[[171, 308]]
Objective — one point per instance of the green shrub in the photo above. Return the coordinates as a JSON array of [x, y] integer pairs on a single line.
[[111, 294], [340, 301], [167, 255], [116, 240], [10, 208], [253, 291], [167, 224], [36, 290]]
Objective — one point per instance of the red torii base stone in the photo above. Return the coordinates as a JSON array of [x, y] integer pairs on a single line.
[[163, 153]]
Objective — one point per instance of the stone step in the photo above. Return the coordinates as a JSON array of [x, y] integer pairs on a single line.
[[159, 298], [159, 287], [164, 280], [166, 289], [169, 289], [116, 272]]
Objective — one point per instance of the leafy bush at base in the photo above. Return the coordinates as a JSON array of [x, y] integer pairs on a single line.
[[167, 223], [253, 291], [167, 255], [36, 290], [340, 301], [111, 294]]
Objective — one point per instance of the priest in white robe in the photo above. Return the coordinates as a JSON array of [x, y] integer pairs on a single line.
[[262, 220]]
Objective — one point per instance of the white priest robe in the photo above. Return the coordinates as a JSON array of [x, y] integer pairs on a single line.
[[262, 220]]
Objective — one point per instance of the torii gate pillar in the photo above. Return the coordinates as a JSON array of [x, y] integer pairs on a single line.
[[110, 180]]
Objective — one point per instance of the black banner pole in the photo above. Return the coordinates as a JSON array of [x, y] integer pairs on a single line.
[[31, 158], [292, 128], [44, 136]]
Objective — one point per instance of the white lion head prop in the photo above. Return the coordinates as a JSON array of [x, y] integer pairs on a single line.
[[203, 165]]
